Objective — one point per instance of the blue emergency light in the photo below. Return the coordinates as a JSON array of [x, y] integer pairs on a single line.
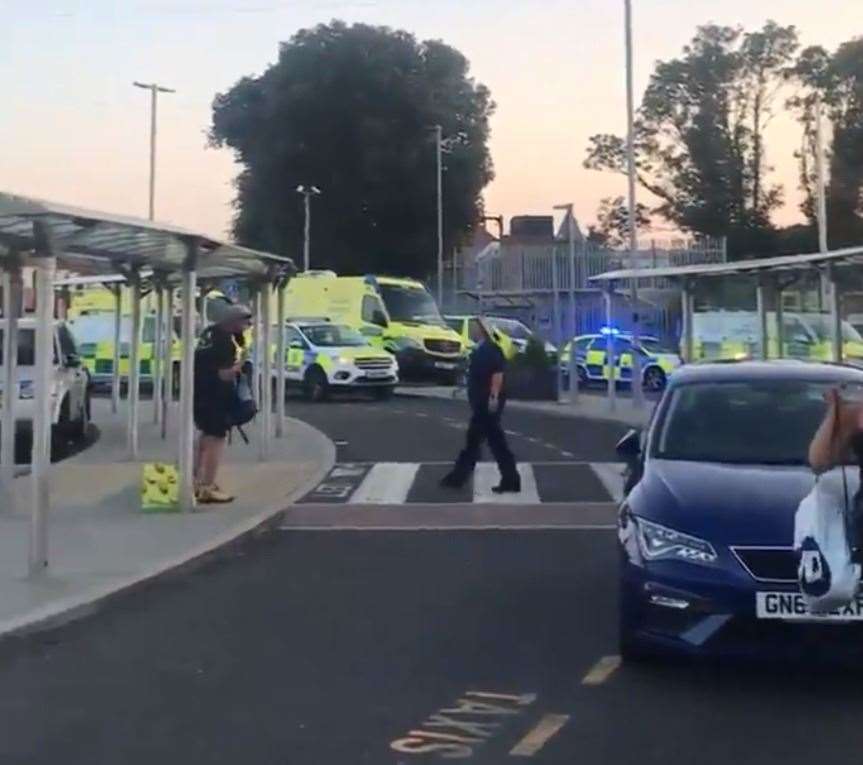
[[609, 331]]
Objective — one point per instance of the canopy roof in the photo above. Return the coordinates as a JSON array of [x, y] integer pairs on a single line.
[[93, 243], [848, 256]]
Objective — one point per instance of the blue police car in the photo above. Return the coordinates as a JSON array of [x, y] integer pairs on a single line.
[[706, 527]]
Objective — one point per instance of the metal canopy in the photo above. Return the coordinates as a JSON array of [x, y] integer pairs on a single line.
[[93, 243], [846, 256]]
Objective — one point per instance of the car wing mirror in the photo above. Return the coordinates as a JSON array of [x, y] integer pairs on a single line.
[[72, 361], [629, 447], [379, 318], [297, 344]]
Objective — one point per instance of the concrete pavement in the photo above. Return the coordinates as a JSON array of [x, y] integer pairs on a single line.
[[99, 541], [590, 405]]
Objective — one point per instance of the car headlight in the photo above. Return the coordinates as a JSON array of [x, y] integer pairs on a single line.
[[343, 360], [660, 542]]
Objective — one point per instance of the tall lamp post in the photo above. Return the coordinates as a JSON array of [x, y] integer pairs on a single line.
[[637, 393], [438, 131], [154, 89], [573, 367], [308, 192]]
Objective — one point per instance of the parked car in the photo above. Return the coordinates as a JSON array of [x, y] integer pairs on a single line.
[[706, 529], [70, 388]]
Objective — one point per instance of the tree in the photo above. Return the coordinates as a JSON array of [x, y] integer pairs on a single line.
[[612, 222], [352, 110], [700, 134], [838, 81]]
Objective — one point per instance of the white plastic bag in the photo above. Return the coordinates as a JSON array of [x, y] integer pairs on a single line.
[[828, 578]]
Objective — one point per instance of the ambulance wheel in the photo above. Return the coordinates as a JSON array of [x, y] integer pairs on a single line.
[[315, 385], [654, 379]]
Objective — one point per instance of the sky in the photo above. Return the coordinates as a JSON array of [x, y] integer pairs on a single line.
[[74, 130]]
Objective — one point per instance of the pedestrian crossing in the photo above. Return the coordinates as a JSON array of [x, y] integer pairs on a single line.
[[418, 483]]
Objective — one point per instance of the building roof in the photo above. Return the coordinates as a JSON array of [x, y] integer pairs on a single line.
[[847, 256], [93, 243]]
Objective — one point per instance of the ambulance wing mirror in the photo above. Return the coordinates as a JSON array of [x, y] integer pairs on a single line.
[[379, 318], [297, 344]]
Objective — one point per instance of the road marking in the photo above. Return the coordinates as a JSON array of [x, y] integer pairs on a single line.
[[487, 475], [601, 671], [455, 527], [611, 476], [420, 414], [386, 483], [566, 454], [547, 727], [512, 433]]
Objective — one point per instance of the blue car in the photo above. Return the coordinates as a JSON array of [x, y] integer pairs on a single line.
[[707, 524]]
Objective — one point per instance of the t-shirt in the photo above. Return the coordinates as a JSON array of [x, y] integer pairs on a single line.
[[486, 360], [216, 351]]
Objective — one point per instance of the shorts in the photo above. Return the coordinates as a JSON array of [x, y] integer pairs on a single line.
[[211, 422]]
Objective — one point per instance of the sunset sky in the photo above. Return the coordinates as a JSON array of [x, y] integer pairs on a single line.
[[75, 130]]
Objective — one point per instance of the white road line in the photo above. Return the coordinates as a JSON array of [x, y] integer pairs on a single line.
[[486, 476], [601, 671], [566, 454], [387, 483], [611, 476], [537, 738], [455, 527]]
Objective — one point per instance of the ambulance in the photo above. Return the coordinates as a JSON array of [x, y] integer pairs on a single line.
[[395, 314]]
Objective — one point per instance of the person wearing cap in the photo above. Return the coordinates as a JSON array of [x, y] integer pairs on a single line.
[[487, 396], [218, 360]]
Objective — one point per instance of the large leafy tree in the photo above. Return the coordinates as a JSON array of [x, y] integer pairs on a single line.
[[700, 134], [351, 109], [838, 80]]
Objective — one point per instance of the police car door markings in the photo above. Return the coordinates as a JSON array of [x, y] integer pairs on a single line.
[[454, 733], [387, 483]]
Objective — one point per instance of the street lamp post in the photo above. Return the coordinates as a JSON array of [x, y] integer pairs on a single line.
[[154, 89], [308, 192], [439, 160], [637, 393]]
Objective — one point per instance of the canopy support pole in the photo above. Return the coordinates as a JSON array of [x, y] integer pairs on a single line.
[[156, 360], [117, 289], [167, 351], [187, 376], [134, 397], [835, 314], [45, 262], [257, 336], [556, 333], [609, 346], [761, 299], [280, 359], [267, 373], [687, 306], [11, 310], [780, 322]]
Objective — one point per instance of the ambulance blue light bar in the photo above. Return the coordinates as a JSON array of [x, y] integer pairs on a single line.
[[609, 331]]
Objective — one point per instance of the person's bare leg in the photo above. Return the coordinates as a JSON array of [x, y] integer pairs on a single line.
[[212, 450]]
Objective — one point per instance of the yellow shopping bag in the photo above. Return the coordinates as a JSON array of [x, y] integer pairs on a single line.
[[160, 488]]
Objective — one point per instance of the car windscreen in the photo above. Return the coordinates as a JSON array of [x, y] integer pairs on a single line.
[[455, 324], [514, 329], [766, 422], [822, 325], [410, 304], [26, 347], [100, 329], [333, 336]]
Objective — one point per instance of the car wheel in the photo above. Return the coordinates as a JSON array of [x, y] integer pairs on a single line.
[[316, 385], [654, 379]]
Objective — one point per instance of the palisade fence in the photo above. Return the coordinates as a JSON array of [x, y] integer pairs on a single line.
[[521, 274]]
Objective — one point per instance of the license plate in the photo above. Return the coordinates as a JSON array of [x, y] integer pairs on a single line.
[[443, 365], [377, 373], [790, 606]]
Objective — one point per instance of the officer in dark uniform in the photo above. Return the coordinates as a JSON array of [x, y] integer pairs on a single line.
[[487, 397]]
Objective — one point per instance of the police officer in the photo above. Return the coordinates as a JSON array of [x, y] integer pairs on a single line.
[[486, 395]]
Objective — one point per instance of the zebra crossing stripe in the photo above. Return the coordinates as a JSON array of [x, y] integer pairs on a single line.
[[387, 483], [611, 475], [487, 475]]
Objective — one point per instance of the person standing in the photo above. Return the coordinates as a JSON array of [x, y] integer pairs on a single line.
[[487, 398], [218, 361]]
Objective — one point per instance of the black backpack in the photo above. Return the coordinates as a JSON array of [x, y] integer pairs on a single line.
[[243, 408]]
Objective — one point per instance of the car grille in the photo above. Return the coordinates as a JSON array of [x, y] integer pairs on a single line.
[[449, 347], [768, 564], [373, 363]]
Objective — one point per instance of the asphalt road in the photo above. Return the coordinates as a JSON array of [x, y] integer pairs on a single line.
[[336, 646]]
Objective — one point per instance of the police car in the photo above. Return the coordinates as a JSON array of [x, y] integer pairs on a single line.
[[657, 363], [70, 382], [322, 357]]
